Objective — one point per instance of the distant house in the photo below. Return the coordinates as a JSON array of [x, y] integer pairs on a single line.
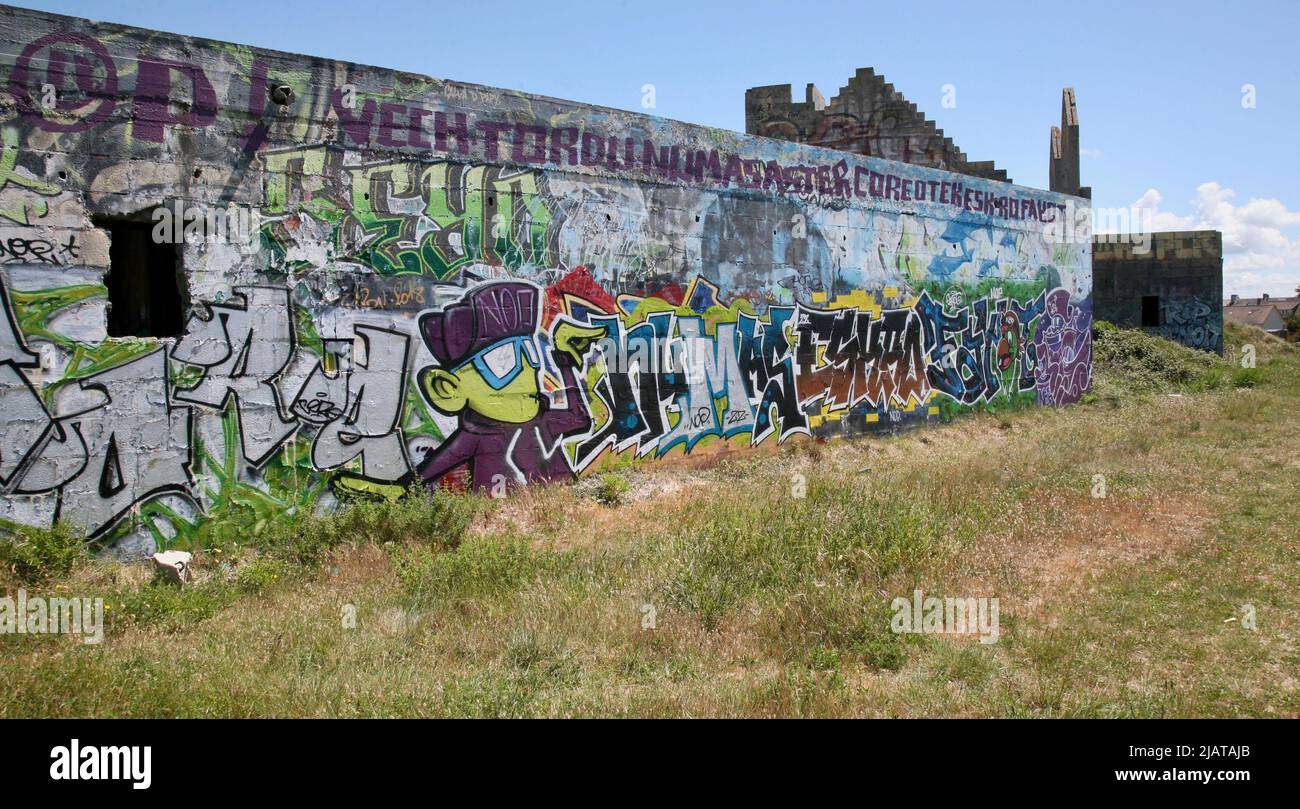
[[1286, 307], [1265, 313]]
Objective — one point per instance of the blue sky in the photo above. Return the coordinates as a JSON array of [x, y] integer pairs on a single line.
[[1159, 84]]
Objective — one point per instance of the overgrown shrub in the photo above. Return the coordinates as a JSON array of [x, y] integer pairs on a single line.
[[1137, 362]]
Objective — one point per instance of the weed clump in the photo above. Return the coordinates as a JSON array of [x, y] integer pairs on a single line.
[[613, 489], [477, 570], [1247, 377]]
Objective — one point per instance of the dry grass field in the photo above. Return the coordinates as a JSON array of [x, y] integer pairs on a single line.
[[735, 597]]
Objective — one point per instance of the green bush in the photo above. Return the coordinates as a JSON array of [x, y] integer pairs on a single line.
[[37, 555], [613, 488], [1247, 377], [259, 574]]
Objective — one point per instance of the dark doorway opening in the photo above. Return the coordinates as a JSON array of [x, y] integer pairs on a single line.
[[147, 293], [1150, 311]]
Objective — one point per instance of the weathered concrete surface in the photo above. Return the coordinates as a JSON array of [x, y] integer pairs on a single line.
[[457, 284], [1182, 271], [1063, 170]]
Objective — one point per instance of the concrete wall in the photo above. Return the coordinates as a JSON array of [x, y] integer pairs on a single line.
[[1181, 270], [442, 282]]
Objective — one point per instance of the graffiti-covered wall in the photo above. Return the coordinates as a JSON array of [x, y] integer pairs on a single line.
[[387, 279]]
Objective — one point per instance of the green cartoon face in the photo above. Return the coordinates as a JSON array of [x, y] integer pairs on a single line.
[[500, 382]]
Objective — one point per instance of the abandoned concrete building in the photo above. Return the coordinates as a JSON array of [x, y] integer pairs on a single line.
[[1173, 289], [1171, 286], [242, 281]]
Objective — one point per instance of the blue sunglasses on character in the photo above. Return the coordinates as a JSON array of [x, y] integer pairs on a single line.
[[502, 361]]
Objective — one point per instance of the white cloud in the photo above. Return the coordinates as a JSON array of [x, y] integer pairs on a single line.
[[1149, 206], [1259, 253]]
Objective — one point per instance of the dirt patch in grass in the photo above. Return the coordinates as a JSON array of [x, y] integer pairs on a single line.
[[1065, 548], [357, 565], [567, 516]]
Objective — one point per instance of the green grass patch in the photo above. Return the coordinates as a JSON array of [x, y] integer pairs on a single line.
[[38, 555]]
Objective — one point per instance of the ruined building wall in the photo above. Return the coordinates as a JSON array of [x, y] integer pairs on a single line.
[[1063, 174], [868, 116], [386, 278], [1172, 287]]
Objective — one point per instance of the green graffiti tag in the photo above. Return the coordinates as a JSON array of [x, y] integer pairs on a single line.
[[404, 217], [439, 217]]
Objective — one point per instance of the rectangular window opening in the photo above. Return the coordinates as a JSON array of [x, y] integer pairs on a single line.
[[147, 293]]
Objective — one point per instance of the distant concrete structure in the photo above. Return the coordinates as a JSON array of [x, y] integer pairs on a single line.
[[1173, 289], [867, 116], [1063, 161], [1171, 285]]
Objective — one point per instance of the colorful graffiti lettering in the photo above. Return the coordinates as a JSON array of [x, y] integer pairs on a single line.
[[1064, 344], [436, 218], [647, 384], [454, 286], [422, 218]]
